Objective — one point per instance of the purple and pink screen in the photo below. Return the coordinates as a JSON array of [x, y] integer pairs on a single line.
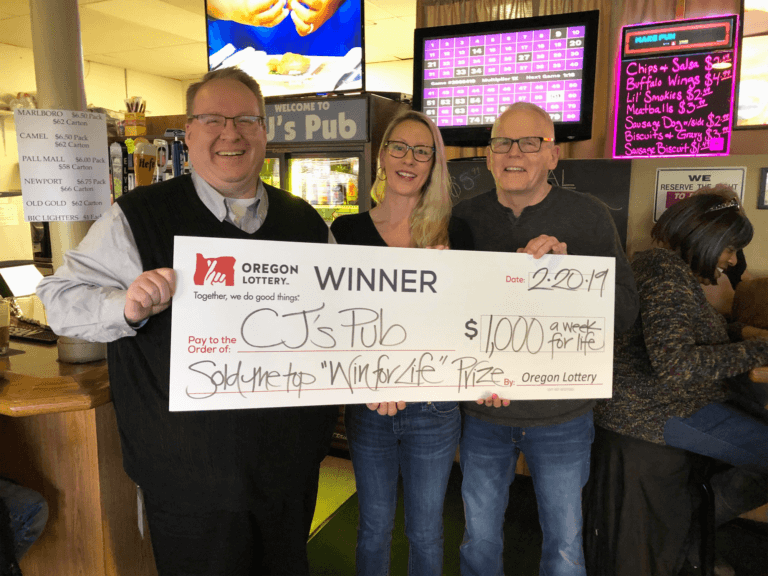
[[470, 80]]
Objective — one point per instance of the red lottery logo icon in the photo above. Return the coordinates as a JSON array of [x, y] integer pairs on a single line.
[[219, 271]]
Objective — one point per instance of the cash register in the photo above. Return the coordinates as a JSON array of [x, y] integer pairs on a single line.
[[19, 279]]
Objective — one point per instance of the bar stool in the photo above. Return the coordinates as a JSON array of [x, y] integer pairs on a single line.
[[701, 475]]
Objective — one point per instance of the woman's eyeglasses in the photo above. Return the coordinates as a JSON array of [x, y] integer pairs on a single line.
[[398, 149]]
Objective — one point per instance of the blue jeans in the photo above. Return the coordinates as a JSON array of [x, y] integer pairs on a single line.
[[723, 432], [28, 512], [558, 457], [420, 442]]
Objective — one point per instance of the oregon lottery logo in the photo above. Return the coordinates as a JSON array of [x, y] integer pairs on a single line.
[[215, 271]]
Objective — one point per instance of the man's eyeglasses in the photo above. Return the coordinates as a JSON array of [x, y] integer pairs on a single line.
[[217, 122], [398, 149], [527, 144]]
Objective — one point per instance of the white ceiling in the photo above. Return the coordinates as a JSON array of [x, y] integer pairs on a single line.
[[167, 37]]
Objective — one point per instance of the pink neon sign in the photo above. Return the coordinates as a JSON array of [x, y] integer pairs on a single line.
[[673, 101]]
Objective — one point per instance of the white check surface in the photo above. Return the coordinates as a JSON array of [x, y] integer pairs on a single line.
[[261, 324]]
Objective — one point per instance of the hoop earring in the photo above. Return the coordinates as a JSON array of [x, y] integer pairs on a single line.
[[381, 174]]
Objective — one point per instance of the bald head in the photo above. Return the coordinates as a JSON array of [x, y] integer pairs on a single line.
[[526, 108]]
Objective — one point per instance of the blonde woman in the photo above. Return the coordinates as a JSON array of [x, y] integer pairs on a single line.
[[417, 440]]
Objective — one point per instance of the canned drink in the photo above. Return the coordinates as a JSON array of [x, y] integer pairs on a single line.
[[177, 158], [338, 190], [352, 190]]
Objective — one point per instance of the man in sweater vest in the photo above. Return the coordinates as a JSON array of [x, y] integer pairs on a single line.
[[524, 213], [225, 492]]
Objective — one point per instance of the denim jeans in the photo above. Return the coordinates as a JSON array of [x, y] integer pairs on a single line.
[[723, 432], [420, 442], [558, 457], [28, 513]]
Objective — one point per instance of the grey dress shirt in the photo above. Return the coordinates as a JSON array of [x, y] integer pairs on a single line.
[[86, 296]]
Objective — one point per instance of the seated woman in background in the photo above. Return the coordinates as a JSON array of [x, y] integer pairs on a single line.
[[721, 293], [669, 395], [419, 439]]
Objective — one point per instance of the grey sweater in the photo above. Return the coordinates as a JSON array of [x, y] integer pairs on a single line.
[[584, 223]]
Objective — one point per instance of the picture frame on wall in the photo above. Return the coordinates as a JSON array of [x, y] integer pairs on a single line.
[[762, 201]]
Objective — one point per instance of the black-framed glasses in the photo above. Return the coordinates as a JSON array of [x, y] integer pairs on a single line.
[[217, 122], [527, 144], [398, 149]]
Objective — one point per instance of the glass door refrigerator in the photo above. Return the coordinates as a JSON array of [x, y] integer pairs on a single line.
[[323, 149]]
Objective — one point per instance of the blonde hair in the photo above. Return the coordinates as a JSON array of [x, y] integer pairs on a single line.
[[429, 219]]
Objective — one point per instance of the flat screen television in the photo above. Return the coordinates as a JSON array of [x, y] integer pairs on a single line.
[[465, 75], [287, 56]]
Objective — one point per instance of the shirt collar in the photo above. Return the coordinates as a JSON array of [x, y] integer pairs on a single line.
[[214, 201]]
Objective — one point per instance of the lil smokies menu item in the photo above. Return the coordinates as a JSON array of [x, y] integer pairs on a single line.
[[63, 164]]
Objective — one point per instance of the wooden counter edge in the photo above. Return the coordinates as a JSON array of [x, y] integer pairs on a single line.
[[39, 384], [759, 375]]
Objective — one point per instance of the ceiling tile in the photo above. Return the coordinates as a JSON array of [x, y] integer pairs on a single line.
[[397, 7], [9, 8], [155, 14], [374, 12], [16, 31]]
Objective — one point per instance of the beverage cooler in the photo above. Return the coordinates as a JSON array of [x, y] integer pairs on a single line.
[[323, 149]]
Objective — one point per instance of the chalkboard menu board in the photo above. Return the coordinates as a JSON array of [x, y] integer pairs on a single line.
[[674, 93]]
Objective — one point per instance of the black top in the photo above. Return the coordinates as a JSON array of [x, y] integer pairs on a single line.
[[585, 225], [677, 356], [360, 230], [223, 459]]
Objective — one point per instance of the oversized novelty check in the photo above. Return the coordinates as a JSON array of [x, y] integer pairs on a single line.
[[261, 324]]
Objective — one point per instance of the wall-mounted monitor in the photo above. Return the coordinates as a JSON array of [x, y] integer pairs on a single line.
[[751, 103], [466, 75], [674, 88], [294, 50]]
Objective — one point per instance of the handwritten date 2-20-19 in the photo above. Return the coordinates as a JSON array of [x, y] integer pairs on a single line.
[[568, 279]]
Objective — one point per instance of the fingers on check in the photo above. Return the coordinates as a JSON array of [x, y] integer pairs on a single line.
[[390, 408], [154, 287], [494, 401], [545, 245]]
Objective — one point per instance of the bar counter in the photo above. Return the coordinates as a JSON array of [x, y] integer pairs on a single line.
[[759, 375], [59, 436]]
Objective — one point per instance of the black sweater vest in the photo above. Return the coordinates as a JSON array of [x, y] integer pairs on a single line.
[[217, 459]]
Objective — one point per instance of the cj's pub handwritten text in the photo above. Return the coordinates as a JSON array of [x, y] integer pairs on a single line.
[[267, 328]]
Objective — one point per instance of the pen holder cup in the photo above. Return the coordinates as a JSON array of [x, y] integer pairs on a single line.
[[135, 124]]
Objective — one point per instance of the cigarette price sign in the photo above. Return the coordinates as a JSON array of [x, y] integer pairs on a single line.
[[674, 93], [63, 164]]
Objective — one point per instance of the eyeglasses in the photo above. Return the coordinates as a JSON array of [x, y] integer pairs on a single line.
[[527, 144], [398, 149], [217, 122]]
